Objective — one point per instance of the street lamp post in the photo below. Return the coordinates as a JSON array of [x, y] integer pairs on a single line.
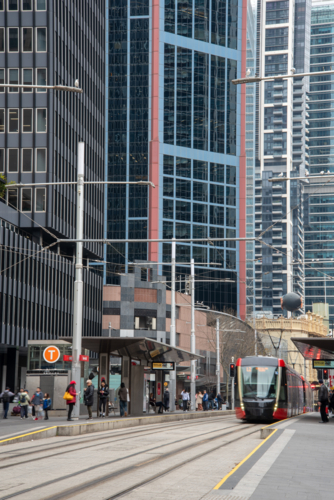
[[192, 338]]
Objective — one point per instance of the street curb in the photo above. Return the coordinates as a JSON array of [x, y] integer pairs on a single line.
[[107, 425]]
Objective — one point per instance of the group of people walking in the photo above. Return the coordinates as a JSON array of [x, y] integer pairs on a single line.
[[326, 399], [37, 405]]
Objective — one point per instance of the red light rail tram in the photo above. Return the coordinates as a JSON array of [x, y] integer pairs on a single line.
[[268, 389]]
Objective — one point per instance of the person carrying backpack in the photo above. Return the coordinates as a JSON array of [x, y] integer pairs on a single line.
[[46, 405], [6, 395], [24, 401]]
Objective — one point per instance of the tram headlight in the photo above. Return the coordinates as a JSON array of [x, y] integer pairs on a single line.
[[242, 406]]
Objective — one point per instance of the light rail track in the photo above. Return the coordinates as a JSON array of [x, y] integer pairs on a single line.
[[101, 445], [83, 486], [143, 431]]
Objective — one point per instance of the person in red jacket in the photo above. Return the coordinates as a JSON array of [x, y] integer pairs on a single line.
[[71, 403]]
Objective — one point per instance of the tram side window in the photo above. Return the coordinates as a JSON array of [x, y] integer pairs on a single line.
[[282, 392]]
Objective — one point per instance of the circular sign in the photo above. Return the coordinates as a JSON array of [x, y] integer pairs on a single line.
[[51, 354]]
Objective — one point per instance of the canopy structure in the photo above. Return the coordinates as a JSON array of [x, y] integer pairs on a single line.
[[315, 347], [140, 348]]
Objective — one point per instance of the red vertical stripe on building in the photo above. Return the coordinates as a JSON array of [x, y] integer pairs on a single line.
[[153, 231], [242, 171]]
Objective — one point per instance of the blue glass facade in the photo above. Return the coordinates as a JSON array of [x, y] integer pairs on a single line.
[[199, 138], [319, 232]]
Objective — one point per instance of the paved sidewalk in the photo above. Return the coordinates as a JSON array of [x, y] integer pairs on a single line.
[[14, 426], [295, 463]]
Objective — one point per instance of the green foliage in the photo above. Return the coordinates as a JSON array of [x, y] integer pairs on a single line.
[[2, 185]]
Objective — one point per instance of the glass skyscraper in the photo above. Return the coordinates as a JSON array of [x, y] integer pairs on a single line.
[[319, 220], [175, 118]]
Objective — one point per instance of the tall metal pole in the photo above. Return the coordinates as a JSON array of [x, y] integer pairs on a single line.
[[218, 356], [78, 284], [193, 338], [172, 330]]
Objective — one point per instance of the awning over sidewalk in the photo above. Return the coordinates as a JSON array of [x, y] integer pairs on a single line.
[[315, 347], [136, 348]]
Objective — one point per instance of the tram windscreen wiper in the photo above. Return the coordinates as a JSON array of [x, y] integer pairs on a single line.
[[259, 381]]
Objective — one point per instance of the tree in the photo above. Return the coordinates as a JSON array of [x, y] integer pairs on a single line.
[[236, 339]]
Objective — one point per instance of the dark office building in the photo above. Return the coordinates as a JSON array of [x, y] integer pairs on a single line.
[[49, 43]]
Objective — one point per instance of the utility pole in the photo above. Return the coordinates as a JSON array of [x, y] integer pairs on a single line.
[[192, 338], [172, 330], [218, 356], [232, 387], [78, 285]]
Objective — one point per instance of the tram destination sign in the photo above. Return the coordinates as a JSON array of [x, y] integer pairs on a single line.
[[323, 363], [163, 366]]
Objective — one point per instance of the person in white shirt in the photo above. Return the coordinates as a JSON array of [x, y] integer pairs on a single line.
[[185, 399]]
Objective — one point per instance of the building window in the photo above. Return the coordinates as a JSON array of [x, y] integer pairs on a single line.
[[13, 79], [26, 4], [27, 125], [13, 120], [2, 160], [145, 323], [184, 97], [27, 78], [40, 4], [2, 79], [41, 39], [2, 39], [41, 119], [12, 197], [26, 200], [27, 40], [2, 4], [41, 78], [27, 160], [13, 160], [2, 120], [40, 160], [13, 39], [13, 4], [217, 111], [40, 197]]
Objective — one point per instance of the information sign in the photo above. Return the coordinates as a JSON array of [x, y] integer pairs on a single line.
[[51, 354], [83, 357], [163, 366], [323, 363]]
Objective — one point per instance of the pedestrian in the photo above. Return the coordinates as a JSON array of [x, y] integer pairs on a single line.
[[199, 401], [323, 401], [71, 402], [157, 404], [46, 405], [332, 403], [37, 402], [24, 401], [219, 401], [211, 399], [205, 400], [166, 398], [6, 395], [89, 398], [185, 399], [103, 394], [123, 400]]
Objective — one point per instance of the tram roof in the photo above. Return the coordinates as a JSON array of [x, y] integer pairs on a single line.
[[136, 348], [315, 347]]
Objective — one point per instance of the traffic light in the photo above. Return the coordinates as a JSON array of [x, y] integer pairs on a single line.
[[325, 374], [232, 370]]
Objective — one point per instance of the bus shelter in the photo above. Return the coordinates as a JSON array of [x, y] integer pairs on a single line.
[[146, 364]]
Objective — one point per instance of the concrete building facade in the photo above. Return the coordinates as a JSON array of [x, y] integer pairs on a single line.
[[281, 148]]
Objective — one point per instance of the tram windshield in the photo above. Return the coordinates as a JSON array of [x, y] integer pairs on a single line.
[[259, 381]]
